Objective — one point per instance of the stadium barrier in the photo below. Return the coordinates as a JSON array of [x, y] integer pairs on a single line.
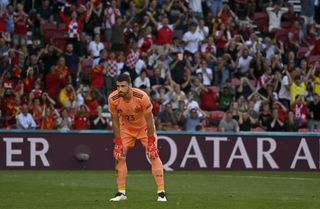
[[178, 151]]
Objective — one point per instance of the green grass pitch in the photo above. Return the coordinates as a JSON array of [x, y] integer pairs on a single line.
[[186, 190]]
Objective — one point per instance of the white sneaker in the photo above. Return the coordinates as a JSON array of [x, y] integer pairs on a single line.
[[118, 197], [162, 197]]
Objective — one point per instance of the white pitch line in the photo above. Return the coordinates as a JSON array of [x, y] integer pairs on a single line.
[[273, 177]]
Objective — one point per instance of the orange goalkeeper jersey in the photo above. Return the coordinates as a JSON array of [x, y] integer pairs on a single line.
[[132, 111]]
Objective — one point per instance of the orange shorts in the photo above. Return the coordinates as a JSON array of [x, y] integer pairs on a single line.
[[129, 137]]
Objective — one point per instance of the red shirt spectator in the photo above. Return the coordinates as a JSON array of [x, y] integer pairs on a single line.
[[92, 102], [52, 83], [28, 84], [63, 73], [97, 77], [74, 24], [3, 22], [20, 21], [165, 33], [47, 123], [81, 120], [208, 100]]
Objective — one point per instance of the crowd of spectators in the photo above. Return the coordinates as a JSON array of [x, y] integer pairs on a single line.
[[237, 65]]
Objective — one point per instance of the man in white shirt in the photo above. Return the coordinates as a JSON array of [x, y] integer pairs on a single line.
[[275, 13], [284, 93], [206, 73], [196, 7], [192, 39], [25, 119], [243, 63], [95, 46]]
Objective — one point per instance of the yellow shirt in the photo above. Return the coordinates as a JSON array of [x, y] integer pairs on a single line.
[[316, 85], [138, 3], [296, 90]]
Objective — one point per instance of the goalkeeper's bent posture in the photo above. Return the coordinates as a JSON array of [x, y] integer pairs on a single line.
[[132, 120]]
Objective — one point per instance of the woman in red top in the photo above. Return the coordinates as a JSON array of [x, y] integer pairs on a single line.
[[52, 82], [3, 18], [48, 119], [37, 110], [81, 121], [98, 77], [92, 101], [63, 72], [223, 35], [225, 14], [28, 82], [20, 24]]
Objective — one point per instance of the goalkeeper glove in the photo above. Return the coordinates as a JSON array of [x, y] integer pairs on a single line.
[[152, 149], [118, 152]]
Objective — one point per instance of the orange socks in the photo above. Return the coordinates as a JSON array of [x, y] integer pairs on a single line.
[[121, 171], [157, 172]]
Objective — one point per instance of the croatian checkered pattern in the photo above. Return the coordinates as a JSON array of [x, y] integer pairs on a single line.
[[132, 58], [73, 29], [112, 68]]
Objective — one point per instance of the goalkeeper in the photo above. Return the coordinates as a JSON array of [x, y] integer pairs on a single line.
[[132, 120]]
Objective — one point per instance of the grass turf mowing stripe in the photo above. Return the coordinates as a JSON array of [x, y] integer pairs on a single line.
[[186, 189]]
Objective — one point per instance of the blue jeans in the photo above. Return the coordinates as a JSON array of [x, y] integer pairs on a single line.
[[215, 6]]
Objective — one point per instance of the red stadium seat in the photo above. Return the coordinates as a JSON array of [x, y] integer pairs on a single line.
[[303, 130], [211, 128], [289, 17], [313, 59], [258, 129], [286, 24], [48, 26], [282, 35], [217, 115], [215, 89], [62, 27], [262, 21], [253, 82], [235, 82], [302, 51], [61, 42]]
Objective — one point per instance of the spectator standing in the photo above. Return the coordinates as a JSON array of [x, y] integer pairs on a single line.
[[81, 120], [314, 111], [228, 124], [308, 10], [275, 124], [98, 121], [64, 121], [192, 39], [290, 125], [206, 73], [275, 13], [73, 63], [21, 20], [111, 13], [74, 24], [25, 119], [193, 120]]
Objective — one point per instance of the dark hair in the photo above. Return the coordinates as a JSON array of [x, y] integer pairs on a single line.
[[124, 77]]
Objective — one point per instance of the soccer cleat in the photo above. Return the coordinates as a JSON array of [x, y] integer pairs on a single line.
[[118, 197], [162, 197]]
